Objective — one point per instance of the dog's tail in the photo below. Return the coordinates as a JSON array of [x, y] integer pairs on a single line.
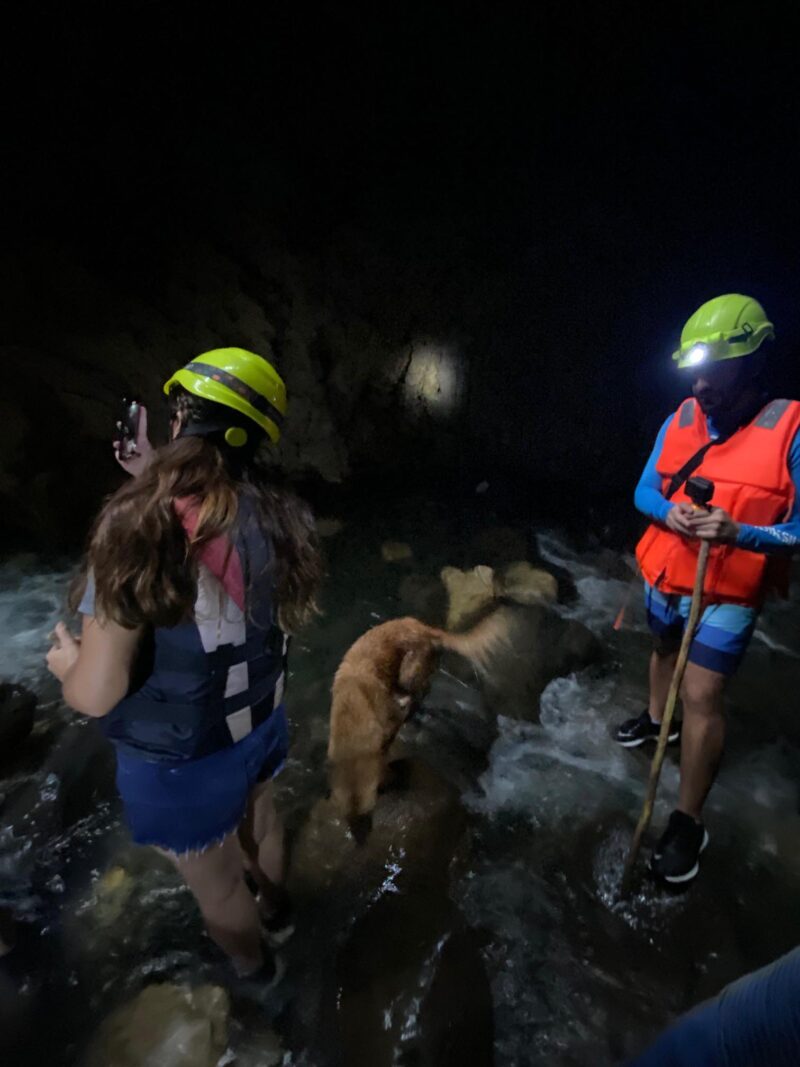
[[479, 644]]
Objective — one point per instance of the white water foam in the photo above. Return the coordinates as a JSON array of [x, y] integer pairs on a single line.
[[600, 595], [31, 602]]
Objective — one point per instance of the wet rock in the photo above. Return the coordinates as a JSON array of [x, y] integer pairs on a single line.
[[7, 931], [542, 646], [423, 996], [139, 909], [164, 1026], [407, 980], [17, 708], [423, 597], [396, 551], [468, 593], [422, 821]]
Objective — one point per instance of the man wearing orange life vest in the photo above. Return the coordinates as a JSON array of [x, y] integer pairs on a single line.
[[732, 432]]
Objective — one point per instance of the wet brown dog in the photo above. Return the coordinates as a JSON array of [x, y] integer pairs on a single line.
[[378, 682]]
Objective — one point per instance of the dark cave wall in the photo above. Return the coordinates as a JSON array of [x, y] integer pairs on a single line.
[[79, 338]]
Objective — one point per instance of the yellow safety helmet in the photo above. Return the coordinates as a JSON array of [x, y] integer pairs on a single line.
[[723, 328], [240, 380]]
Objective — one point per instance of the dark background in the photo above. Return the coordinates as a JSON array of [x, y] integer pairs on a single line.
[[558, 185]]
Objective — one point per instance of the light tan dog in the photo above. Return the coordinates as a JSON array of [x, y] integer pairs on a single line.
[[378, 682]]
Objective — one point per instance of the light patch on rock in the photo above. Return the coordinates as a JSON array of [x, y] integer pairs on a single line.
[[112, 895], [526, 584], [468, 592], [329, 527], [396, 551]]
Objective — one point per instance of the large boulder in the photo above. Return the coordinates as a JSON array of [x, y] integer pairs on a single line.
[[541, 646], [164, 1026], [421, 819], [405, 968]]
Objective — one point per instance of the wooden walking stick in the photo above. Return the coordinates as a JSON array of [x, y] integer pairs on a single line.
[[700, 490]]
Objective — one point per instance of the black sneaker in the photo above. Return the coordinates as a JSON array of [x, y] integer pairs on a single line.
[[634, 732], [279, 926], [677, 855], [260, 985]]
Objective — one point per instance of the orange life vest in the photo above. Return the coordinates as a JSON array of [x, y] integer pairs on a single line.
[[752, 483]]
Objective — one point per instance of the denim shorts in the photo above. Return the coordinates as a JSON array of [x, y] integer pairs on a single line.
[[189, 805], [722, 636]]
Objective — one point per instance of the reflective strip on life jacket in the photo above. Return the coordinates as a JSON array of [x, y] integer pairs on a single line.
[[196, 699]]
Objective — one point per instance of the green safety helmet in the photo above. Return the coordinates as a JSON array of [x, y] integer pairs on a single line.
[[723, 328], [240, 380]]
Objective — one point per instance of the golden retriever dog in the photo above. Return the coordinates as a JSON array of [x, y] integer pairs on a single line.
[[379, 681]]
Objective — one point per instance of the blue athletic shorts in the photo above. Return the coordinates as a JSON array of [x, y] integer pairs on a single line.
[[722, 636], [188, 805]]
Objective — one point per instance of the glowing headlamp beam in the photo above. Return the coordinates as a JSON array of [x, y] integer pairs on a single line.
[[696, 355]]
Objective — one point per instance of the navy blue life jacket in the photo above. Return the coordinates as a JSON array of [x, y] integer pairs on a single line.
[[199, 696]]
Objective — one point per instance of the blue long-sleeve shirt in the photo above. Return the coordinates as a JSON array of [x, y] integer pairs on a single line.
[[781, 538]]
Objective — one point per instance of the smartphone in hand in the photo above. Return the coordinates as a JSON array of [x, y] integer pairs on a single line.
[[127, 429]]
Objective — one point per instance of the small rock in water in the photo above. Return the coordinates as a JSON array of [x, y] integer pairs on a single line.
[[396, 551], [329, 527], [168, 1025]]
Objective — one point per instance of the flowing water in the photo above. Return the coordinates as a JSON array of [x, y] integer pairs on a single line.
[[574, 975]]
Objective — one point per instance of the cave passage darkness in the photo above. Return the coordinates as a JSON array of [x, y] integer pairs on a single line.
[[550, 191]]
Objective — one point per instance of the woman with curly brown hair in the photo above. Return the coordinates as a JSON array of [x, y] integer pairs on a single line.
[[197, 572]]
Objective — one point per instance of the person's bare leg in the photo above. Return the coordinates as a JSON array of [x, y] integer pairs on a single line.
[[215, 877], [662, 667], [703, 736], [262, 840]]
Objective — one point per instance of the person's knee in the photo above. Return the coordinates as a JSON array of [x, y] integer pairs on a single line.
[[213, 895], [213, 878], [701, 694]]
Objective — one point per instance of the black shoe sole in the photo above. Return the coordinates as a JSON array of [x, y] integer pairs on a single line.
[[642, 740]]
